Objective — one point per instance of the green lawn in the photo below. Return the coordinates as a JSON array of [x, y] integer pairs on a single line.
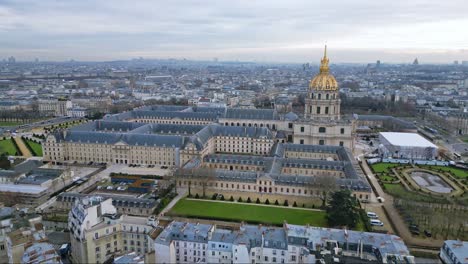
[[249, 213], [388, 178], [36, 147], [10, 123], [398, 191], [383, 167], [7, 146]]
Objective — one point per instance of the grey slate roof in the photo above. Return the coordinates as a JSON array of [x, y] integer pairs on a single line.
[[204, 116], [117, 200], [127, 138], [262, 114], [107, 126], [167, 129], [184, 231]]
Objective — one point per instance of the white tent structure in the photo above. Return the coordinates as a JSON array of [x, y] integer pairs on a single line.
[[406, 146]]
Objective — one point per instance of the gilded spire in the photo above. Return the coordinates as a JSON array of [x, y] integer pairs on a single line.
[[324, 63]]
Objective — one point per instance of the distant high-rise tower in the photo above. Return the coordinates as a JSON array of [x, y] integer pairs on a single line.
[[11, 59], [416, 62], [377, 64], [455, 62], [323, 98]]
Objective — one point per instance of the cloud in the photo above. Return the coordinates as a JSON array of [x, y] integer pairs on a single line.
[[229, 29]]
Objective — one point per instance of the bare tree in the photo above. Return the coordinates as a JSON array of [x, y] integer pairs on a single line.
[[205, 176], [327, 184]]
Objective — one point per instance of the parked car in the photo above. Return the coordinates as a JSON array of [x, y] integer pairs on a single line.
[[427, 233], [376, 222], [414, 232], [372, 215]]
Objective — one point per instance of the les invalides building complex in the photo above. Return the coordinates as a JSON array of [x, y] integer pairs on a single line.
[[244, 153]]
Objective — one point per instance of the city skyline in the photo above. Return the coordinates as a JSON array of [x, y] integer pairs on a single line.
[[261, 31]]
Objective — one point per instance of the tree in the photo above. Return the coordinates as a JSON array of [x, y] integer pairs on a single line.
[[231, 199], [286, 203], [258, 201], [327, 184], [342, 209], [276, 202], [267, 201], [205, 176], [240, 199], [248, 200], [4, 162]]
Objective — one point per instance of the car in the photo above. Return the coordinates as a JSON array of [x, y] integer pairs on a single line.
[[376, 222], [427, 233], [381, 199], [365, 201], [415, 232], [372, 215]]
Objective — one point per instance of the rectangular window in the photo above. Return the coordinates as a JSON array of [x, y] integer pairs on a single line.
[[302, 129], [342, 131], [301, 141], [341, 143], [318, 109]]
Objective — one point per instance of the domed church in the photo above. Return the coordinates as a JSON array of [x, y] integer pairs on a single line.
[[322, 123]]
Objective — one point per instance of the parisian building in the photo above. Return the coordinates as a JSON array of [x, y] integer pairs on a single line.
[[98, 232], [185, 242]]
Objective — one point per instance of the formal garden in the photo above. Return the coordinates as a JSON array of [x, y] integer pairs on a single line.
[[8, 147], [432, 200], [34, 146]]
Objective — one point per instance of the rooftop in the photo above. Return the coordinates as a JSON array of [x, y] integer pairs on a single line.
[[459, 249], [407, 139]]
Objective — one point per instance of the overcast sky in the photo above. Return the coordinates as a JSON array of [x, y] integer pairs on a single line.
[[253, 30]]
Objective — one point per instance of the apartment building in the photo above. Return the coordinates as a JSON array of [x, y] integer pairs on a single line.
[[183, 242], [98, 232]]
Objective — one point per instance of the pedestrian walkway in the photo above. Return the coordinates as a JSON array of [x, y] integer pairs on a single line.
[[22, 147], [182, 193]]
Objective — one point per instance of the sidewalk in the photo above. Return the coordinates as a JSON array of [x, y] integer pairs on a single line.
[[22, 147], [182, 193]]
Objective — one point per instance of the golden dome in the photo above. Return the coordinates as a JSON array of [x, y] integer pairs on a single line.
[[324, 80]]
